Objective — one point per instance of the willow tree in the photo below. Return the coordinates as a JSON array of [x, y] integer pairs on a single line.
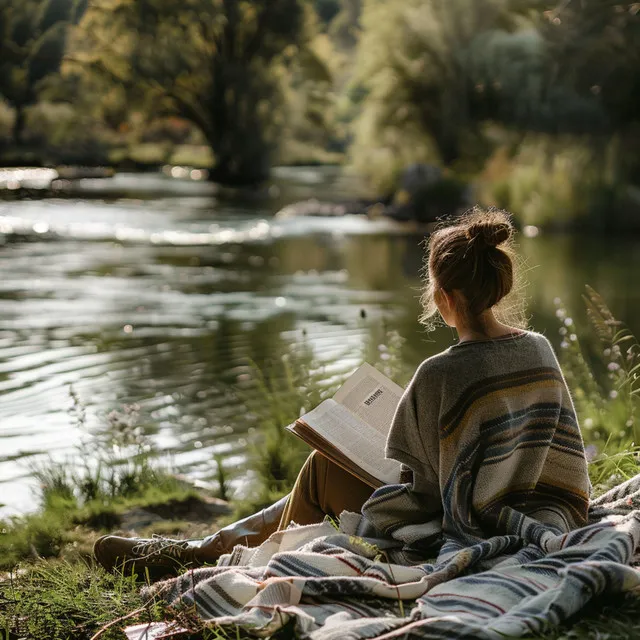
[[33, 36], [220, 65]]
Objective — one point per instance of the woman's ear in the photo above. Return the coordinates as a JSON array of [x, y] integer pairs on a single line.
[[449, 300], [445, 302]]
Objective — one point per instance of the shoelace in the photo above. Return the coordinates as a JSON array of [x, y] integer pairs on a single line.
[[160, 546]]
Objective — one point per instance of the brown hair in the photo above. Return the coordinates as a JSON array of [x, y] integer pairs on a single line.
[[475, 256]]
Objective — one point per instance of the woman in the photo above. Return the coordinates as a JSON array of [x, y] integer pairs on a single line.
[[486, 430]]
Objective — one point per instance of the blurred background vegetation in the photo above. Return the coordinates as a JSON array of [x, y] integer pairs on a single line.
[[533, 103]]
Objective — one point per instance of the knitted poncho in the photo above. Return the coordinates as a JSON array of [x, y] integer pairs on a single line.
[[490, 433]]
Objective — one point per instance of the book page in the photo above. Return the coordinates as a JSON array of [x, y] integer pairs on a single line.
[[354, 438], [372, 397]]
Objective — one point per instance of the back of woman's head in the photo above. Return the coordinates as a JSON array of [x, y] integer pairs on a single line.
[[473, 256]]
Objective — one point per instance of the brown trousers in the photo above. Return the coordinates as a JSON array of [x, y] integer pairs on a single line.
[[322, 488]]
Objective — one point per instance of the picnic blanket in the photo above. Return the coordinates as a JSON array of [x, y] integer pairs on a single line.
[[331, 583]]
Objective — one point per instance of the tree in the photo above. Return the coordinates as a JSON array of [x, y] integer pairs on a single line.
[[595, 46], [416, 76], [433, 73], [33, 36], [218, 64]]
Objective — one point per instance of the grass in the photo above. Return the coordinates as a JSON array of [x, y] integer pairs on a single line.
[[60, 600], [76, 504], [55, 592]]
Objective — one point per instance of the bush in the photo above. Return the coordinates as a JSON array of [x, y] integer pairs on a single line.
[[552, 183]]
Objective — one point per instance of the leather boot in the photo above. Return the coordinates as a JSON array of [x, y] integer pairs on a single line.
[[160, 556], [251, 532]]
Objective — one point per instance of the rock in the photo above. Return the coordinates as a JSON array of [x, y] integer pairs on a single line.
[[417, 177], [137, 518], [424, 194], [313, 207]]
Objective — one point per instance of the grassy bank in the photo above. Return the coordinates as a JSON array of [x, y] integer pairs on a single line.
[[51, 588]]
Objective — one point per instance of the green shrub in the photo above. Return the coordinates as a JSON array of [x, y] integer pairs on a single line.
[[555, 183]]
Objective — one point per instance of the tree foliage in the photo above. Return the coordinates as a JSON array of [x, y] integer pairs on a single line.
[[327, 10], [433, 73], [595, 49], [221, 65], [33, 35], [415, 67]]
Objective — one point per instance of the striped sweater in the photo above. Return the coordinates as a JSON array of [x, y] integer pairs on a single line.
[[490, 434]]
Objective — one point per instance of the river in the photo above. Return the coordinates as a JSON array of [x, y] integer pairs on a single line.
[[155, 292]]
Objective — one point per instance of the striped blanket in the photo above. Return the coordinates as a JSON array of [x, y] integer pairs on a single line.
[[333, 584]]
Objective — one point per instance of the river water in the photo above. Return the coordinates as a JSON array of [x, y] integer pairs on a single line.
[[154, 291]]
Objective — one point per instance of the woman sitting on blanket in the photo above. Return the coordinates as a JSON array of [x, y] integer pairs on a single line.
[[486, 432]]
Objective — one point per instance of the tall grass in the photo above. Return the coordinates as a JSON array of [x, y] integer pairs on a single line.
[[116, 463], [286, 390], [275, 397], [605, 385], [113, 471]]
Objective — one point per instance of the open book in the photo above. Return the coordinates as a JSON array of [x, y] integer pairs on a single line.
[[351, 428]]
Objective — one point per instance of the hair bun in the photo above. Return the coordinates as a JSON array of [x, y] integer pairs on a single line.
[[489, 233]]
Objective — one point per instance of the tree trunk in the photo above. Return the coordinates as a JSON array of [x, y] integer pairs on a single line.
[[19, 125], [233, 172], [234, 131]]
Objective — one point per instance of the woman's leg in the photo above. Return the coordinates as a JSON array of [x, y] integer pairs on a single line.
[[322, 488]]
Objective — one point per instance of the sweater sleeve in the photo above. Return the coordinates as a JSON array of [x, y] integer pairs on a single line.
[[413, 437]]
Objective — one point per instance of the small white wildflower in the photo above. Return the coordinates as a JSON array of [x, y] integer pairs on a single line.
[[564, 344], [382, 347], [562, 331], [613, 366], [573, 337], [629, 424], [561, 313], [557, 301], [568, 322], [588, 423], [607, 352], [613, 394]]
